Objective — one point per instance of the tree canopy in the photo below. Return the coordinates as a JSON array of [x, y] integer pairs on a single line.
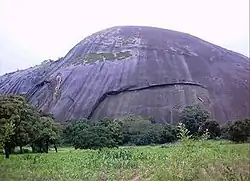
[[239, 131], [193, 117], [84, 134], [132, 130], [21, 124]]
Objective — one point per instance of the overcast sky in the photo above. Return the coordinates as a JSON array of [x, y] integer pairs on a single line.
[[34, 30]]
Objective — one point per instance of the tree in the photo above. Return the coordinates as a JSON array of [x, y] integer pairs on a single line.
[[142, 131], [239, 131], [135, 130], [15, 109], [225, 130], [25, 125], [212, 127], [6, 131], [193, 117], [154, 134], [72, 130], [169, 134], [114, 128], [95, 137], [84, 134], [48, 133]]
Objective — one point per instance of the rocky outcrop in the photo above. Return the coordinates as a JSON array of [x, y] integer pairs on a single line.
[[137, 70]]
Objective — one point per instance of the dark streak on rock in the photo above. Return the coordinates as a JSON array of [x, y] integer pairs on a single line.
[[103, 97], [134, 88], [33, 90]]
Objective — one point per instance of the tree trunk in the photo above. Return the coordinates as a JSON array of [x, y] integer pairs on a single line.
[[55, 147], [47, 146], [33, 148], [7, 151], [40, 147], [21, 150]]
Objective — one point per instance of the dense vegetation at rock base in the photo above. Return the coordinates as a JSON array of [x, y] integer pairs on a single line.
[[21, 125], [190, 156]]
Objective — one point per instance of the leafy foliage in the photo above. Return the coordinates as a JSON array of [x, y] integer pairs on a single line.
[[6, 131], [193, 117], [142, 131], [14, 109], [224, 130], [135, 130], [184, 133], [239, 131], [124, 131], [84, 134], [93, 57], [21, 125], [212, 128], [48, 133], [24, 123]]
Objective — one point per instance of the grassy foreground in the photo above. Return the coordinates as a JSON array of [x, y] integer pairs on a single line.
[[200, 160]]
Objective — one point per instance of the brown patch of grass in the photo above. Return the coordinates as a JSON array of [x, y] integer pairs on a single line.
[[135, 176], [235, 171], [101, 176]]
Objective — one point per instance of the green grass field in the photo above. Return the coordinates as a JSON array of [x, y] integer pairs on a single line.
[[200, 160]]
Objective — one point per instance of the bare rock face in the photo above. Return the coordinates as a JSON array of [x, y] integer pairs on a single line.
[[137, 71]]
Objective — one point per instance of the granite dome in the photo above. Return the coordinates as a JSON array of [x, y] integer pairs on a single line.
[[135, 70]]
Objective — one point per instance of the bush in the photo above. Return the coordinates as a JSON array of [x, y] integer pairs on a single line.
[[212, 128], [143, 131], [86, 134], [94, 135], [193, 117], [239, 131], [224, 130]]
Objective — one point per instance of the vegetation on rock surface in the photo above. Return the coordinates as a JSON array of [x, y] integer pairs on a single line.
[[103, 56], [128, 41]]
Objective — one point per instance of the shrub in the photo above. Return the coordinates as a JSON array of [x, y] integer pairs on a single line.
[[212, 128], [239, 131], [142, 131], [94, 135], [193, 117]]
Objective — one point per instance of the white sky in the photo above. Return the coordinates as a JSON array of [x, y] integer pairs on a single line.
[[34, 30]]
